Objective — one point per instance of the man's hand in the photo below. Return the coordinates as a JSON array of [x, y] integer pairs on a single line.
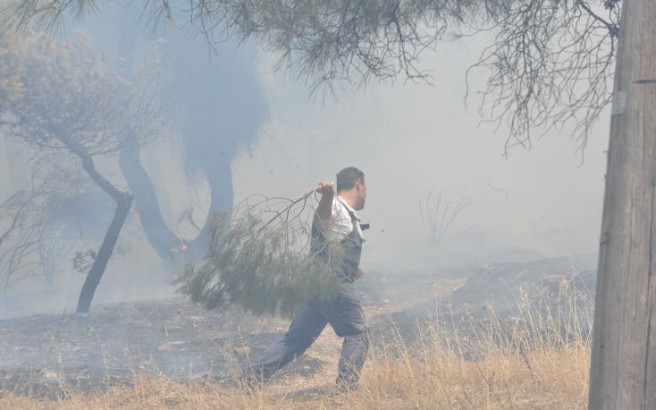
[[324, 210], [326, 187], [359, 274]]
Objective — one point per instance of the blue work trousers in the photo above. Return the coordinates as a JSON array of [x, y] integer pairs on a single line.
[[344, 314]]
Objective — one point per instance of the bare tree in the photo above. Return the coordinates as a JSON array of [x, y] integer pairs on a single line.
[[437, 217], [71, 104], [40, 225], [18, 236]]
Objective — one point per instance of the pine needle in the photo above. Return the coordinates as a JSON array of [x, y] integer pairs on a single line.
[[260, 262]]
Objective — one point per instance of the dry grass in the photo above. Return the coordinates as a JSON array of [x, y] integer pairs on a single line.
[[555, 379], [523, 372]]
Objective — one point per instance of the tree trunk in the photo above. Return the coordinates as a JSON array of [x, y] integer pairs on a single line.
[[98, 269], [123, 203], [219, 179], [160, 237], [623, 368]]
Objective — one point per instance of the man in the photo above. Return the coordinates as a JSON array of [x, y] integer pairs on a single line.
[[335, 221]]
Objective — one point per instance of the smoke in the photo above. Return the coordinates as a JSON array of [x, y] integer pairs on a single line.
[[411, 140], [414, 138]]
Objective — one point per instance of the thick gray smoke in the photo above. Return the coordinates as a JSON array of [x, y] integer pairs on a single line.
[[413, 139], [265, 134]]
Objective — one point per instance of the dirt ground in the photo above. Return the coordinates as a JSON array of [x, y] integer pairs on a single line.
[[176, 339]]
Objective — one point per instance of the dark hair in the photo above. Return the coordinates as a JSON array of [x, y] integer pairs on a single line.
[[346, 178]]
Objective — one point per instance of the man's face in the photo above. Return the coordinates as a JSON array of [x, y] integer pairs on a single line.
[[361, 195]]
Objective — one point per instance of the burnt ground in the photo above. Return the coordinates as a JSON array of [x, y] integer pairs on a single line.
[[51, 354]]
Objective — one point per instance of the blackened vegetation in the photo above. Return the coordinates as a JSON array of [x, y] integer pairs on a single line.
[[44, 384], [504, 306], [514, 306]]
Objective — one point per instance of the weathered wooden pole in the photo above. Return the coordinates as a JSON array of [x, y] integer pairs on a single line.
[[623, 370]]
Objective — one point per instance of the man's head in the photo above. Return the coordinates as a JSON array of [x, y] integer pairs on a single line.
[[351, 186]]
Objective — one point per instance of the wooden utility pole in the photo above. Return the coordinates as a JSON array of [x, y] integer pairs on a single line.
[[623, 370]]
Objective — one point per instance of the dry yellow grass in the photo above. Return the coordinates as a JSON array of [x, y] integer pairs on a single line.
[[431, 375], [538, 360]]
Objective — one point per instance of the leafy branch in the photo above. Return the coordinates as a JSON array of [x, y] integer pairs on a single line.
[[262, 263]]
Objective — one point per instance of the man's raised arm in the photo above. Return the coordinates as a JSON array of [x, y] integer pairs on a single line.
[[325, 208]]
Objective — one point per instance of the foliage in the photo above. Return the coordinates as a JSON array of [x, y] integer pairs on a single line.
[[67, 102], [67, 97], [547, 66], [262, 265], [550, 65]]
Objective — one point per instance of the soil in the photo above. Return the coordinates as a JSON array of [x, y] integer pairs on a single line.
[[176, 339]]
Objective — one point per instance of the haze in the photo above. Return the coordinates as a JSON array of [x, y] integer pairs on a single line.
[[409, 138]]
